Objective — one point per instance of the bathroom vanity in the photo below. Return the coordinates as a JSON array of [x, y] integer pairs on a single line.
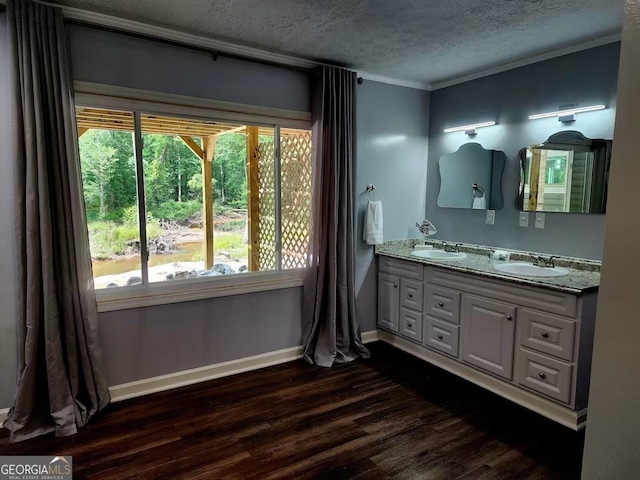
[[528, 339]]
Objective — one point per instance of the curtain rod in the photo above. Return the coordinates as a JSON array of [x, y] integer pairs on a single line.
[[70, 13], [215, 53]]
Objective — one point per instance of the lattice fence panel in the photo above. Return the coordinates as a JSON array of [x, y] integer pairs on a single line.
[[296, 198], [266, 181], [295, 202]]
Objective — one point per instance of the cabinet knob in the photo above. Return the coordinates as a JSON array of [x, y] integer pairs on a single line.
[[509, 317], [541, 375], [440, 336], [544, 334], [395, 285], [410, 295], [441, 304], [409, 325]]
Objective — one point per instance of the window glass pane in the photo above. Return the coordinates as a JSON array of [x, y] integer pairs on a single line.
[[173, 197], [198, 170], [295, 147], [109, 184]]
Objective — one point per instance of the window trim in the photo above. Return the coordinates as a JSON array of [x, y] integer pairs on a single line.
[[187, 290]]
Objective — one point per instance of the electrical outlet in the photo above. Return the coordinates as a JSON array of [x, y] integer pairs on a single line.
[[491, 217], [524, 219], [539, 220]]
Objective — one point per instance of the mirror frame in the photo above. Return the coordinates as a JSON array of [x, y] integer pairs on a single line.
[[563, 140]]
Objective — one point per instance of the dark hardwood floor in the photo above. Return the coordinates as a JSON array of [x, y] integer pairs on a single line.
[[392, 416]]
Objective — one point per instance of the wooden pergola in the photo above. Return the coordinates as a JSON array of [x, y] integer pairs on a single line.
[[189, 131]]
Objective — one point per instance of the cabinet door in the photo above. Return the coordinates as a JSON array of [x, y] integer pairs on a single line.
[[488, 330], [388, 301]]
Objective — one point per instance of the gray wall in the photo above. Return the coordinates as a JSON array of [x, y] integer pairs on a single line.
[[151, 341], [158, 340], [392, 142], [8, 344], [117, 59], [612, 440], [587, 78]]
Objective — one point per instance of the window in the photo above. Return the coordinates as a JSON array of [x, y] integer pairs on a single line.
[[171, 198]]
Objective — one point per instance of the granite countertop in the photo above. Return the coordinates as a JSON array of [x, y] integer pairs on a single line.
[[584, 276]]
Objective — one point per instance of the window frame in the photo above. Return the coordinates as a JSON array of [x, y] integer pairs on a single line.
[[186, 290]]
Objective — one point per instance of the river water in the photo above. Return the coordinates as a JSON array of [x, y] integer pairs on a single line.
[[188, 252]]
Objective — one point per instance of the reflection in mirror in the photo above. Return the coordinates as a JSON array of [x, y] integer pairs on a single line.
[[471, 178], [567, 173]]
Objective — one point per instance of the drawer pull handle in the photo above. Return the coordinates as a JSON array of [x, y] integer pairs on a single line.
[[441, 304], [542, 375], [544, 334], [440, 336], [509, 317], [411, 295]]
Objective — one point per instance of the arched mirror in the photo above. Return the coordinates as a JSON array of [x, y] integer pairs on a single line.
[[471, 178], [567, 173]]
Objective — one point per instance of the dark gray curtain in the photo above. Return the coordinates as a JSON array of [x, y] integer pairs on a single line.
[[333, 333], [61, 382]]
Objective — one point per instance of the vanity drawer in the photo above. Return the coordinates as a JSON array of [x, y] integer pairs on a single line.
[[545, 375], [443, 303], [411, 325], [402, 268], [411, 294], [441, 335], [547, 333]]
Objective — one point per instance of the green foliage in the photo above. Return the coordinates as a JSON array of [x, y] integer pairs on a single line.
[[108, 238], [231, 243], [108, 172], [178, 211]]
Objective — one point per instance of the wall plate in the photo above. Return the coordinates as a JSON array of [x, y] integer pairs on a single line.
[[524, 219], [539, 220], [491, 217]]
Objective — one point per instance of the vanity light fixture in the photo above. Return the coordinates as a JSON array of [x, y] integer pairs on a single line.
[[469, 129], [567, 114]]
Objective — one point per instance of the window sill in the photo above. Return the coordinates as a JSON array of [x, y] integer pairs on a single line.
[[112, 299]]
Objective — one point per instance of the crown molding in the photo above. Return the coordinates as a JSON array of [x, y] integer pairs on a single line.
[[597, 42], [188, 39], [395, 81]]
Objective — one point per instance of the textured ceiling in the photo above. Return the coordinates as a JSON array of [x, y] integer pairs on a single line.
[[422, 40]]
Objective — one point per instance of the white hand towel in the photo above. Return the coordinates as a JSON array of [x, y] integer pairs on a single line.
[[479, 203], [372, 232]]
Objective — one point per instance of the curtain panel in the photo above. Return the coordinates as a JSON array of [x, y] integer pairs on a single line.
[[332, 330], [60, 380]]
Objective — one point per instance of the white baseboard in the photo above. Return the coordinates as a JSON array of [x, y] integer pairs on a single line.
[[3, 415], [370, 336], [210, 372]]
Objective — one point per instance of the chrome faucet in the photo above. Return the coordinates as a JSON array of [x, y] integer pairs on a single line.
[[540, 261], [448, 247]]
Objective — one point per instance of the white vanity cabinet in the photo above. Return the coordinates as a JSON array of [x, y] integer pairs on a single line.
[[529, 344]]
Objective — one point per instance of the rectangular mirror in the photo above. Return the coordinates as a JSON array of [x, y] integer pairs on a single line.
[[568, 173], [471, 178]]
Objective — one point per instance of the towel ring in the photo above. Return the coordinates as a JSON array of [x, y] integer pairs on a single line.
[[371, 188]]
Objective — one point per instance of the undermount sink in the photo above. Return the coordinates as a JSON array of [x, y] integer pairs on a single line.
[[439, 254], [530, 270]]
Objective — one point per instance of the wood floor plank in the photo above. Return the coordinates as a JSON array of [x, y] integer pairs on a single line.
[[392, 416]]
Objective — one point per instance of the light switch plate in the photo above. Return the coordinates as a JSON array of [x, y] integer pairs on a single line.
[[539, 220], [524, 219], [491, 217]]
